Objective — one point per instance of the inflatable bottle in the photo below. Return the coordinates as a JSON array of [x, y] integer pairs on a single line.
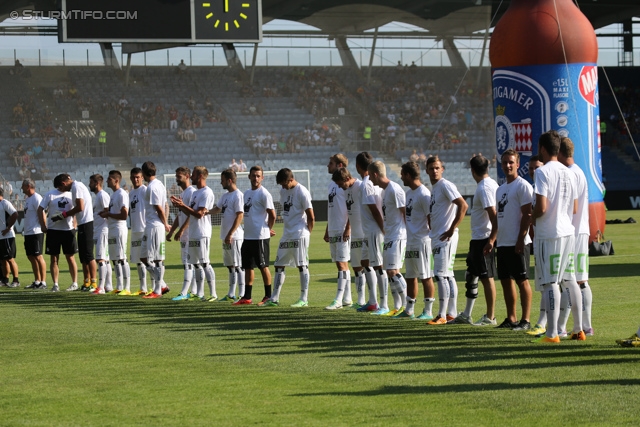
[[544, 75]]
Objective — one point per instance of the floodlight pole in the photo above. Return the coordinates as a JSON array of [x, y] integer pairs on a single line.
[[373, 49], [253, 63], [126, 79]]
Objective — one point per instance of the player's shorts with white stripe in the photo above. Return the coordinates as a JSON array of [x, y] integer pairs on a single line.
[[118, 245], [374, 248], [393, 254], [184, 248], [153, 243], [232, 253], [444, 255], [136, 246], [294, 253], [554, 260], [359, 251], [340, 248], [101, 241], [418, 260], [199, 250], [581, 255]]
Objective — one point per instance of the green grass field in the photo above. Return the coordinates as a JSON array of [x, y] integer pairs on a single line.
[[77, 359]]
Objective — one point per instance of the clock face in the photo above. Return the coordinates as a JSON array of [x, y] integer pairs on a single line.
[[229, 20]]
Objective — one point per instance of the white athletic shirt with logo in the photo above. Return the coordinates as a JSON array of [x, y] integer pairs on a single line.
[[337, 214], [510, 197], [417, 209], [442, 210], [100, 202], [31, 223], [555, 182], [230, 204], [6, 210], [56, 202], [295, 202], [80, 191], [256, 203], [581, 218], [353, 200], [371, 195], [119, 200], [185, 196], [484, 197], [199, 228], [156, 195], [393, 198], [137, 209]]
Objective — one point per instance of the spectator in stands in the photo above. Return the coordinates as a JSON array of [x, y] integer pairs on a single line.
[[15, 133], [189, 134], [18, 68], [413, 157], [253, 111], [233, 165], [173, 118], [65, 149], [242, 166], [182, 67], [7, 188], [44, 171], [208, 105], [24, 172], [180, 135], [191, 103], [196, 121], [72, 92], [58, 92]]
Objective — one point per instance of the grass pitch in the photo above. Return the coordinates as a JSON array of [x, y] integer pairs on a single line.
[[78, 359]]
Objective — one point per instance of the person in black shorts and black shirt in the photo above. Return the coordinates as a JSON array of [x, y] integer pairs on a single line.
[[8, 217]]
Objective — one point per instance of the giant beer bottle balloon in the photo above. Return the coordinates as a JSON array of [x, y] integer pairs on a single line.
[[543, 57]]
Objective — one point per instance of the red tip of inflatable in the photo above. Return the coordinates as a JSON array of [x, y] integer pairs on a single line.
[[597, 219]]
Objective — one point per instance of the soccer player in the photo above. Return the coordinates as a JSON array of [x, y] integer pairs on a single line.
[[418, 252], [101, 233], [359, 251], [83, 211], [8, 217], [153, 242], [395, 238], [445, 214], [555, 240], [514, 199], [33, 235], [118, 232], [372, 226], [60, 233], [201, 202], [259, 217], [297, 215], [337, 234], [137, 215], [231, 206], [180, 227], [581, 252]]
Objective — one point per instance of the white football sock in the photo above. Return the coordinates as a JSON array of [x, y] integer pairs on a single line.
[[360, 283], [453, 297], [565, 304], [232, 281], [241, 281], [587, 300], [119, 280], [210, 275], [278, 282], [383, 288], [342, 284], [346, 298], [304, 283], [372, 285], [187, 278], [126, 273], [552, 301], [410, 305], [576, 304], [443, 295], [142, 276], [199, 273], [428, 306]]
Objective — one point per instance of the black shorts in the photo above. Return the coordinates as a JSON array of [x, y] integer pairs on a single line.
[[8, 248], [479, 264], [64, 238], [33, 244], [85, 242], [255, 253], [512, 265]]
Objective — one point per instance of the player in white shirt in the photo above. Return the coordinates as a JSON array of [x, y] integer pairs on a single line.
[[556, 202], [202, 201], [137, 216], [8, 217], [259, 217], [83, 211], [231, 206], [395, 238], [445, 214], [101, 232], [153, 242], [338, 233], [60, 233], [481, 256], [180, 227], [418, 253], [581, 253], [33, 235], [297, 215]]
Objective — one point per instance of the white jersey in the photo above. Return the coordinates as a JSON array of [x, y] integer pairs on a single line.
[[371, 195], [201, 228], [555, 182], [353, 200], [119, 200], [337, 214], [6, 210], [230, 204], [100, 203], [31, 223], [295, 202], [137, 209], [393, 198], [55, 202], [417, 210], [256, 204], [442, 209], [156, 195], [581, 218], [185, 196], [80, 191], [510, 197], [484, 197]]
